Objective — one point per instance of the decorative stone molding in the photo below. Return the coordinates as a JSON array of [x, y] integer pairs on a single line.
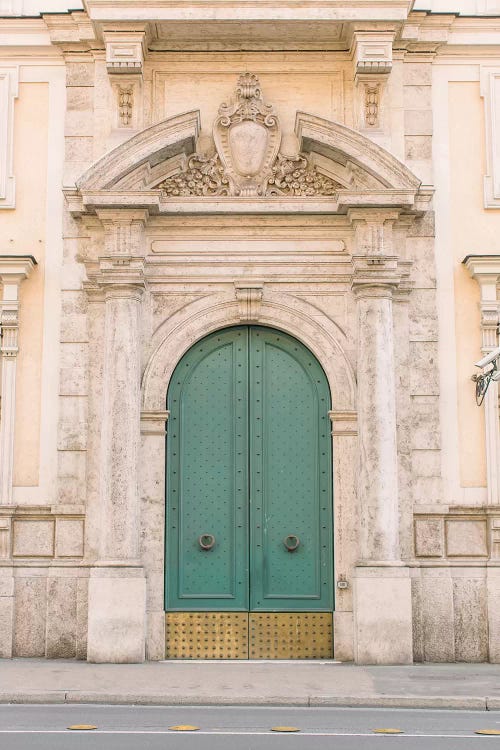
[[13, 269], [368, 174], [9, 86], [154, 422], [372, 104], [344, 423], [373, 230], [372, 52], [123, 233], [205, 315], [124, 51], [125, 104], [490, 91], [247, 162], [40, 532], [459, 533], [486, 270], [249, 297]]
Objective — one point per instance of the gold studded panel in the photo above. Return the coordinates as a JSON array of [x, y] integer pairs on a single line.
[[206, 635], [290, 635]]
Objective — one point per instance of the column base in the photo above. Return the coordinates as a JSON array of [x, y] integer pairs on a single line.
[[382, 615], [493, 584], [117, 615], [6, 612]]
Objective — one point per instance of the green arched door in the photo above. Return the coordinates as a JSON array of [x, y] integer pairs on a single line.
[[249, 485]]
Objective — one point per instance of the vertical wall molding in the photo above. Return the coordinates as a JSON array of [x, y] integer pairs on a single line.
[[9, 90], [486, 270], [490, 91], [13, 269]]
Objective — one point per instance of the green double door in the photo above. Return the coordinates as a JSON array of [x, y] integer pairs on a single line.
[[249, 480]]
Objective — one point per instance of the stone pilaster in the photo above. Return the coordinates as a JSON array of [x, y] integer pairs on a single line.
[[382, 593], [13, 269], [486, 270], [117, 588]]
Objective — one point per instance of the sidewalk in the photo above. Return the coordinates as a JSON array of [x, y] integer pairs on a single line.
[[471, 686]]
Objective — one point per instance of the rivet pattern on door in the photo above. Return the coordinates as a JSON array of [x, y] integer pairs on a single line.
[[290, 635]]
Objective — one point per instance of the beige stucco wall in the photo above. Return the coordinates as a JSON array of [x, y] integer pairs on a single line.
[[23, 233], [474, 231]]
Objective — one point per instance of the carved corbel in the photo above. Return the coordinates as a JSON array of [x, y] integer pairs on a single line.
[[124, 61], [124, 51], [372, 57], [249, 298]]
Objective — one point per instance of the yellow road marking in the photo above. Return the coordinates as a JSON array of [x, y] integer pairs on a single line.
[[388, 731], [285, 729], [184, 728], [82, 727]]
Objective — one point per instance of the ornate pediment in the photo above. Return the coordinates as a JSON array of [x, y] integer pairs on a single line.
[[247, 160]]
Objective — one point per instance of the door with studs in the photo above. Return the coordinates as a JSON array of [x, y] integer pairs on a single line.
[[249, 530]]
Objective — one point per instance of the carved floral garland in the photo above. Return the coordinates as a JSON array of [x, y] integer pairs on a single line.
[[205, 176]]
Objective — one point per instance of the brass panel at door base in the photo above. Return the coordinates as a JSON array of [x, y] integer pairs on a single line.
[[291, 635], [206, 635]]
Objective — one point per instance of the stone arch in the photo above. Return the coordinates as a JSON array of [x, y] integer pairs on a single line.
[[284, 312], [355, 161]]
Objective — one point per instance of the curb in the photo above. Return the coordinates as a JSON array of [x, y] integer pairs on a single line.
[[162, 699]]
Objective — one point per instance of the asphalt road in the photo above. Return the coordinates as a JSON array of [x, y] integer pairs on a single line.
[[39, 727]]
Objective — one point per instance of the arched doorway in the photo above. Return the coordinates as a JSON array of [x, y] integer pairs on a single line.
[[249, 530]]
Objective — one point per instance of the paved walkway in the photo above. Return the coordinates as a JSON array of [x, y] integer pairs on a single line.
[[472, 686]]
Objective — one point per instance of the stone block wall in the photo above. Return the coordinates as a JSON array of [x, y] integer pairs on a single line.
[[453, 589]]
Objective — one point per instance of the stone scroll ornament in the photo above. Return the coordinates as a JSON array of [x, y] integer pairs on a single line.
[[247, 162]]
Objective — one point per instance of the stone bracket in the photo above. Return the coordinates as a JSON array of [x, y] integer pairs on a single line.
[[249, 298], [125, 51]]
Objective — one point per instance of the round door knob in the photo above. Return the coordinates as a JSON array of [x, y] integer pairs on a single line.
[[291, 542], [206, 541]]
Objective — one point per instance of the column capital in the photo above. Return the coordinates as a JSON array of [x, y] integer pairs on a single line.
[[15, 268], [123, 232], [373, 230], [375, 276], [115, 276]]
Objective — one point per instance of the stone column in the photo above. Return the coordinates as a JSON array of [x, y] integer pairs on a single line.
[[117, 586], [382, 591]]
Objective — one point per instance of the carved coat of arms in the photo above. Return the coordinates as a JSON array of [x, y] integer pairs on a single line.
[[247, 161]]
